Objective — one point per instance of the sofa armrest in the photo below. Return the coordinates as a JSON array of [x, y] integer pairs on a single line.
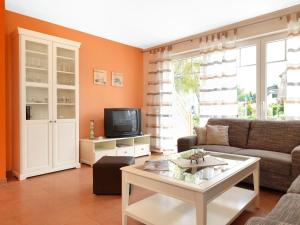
[[264, 221], [185, 143], [295, 186], [296, 161]]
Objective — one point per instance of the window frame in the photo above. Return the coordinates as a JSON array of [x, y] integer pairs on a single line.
[[264, 41], [253, 42], [261, 69]]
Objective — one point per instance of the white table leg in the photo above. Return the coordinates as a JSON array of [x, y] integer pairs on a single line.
[[256, 185], [125, 197], [201, 210]]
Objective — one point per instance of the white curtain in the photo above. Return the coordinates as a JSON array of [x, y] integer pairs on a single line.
[[292, 100], [159, 100], [218, 83]]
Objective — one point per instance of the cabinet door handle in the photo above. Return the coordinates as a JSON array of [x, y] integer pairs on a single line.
[[54, 121], [50, 121]]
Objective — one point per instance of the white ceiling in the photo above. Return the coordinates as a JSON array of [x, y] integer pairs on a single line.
[[145, 23]]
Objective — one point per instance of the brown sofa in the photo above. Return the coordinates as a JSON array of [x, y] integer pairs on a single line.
[[277, 143], [287, 210]]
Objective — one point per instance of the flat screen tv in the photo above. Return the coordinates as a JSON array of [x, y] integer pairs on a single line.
[[122, 122]]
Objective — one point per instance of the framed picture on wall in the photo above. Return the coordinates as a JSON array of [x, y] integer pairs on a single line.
[[100, 77], [117, 79]]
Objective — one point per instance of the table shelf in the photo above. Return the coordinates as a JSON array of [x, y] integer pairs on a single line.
[[160, 209]]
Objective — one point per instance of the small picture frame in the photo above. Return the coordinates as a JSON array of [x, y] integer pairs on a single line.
[[117, 79], [100, 77]]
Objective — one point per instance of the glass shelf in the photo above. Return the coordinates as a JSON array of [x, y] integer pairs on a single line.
[[65, 67], [34, 60], [66, 72], [65, 104], [66, 111], [36, 47], [67, 58], [36, 76], [36, 52], [37, 103], [65, 53]]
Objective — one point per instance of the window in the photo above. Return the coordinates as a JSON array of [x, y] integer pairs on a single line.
[[275, 79], [246, 82], [186, 73], [265, 90]]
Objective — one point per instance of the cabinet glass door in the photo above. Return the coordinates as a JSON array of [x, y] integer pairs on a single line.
[[65, 59], [37, 79], [65, 113]]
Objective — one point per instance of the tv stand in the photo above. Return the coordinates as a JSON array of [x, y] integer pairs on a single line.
[[93, 149]]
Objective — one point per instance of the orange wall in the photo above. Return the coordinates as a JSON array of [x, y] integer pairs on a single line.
[[98, 53], [2, 97]]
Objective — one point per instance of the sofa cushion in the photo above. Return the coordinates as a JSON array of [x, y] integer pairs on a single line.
[[275, 162], [287, 209], [217, 135], [295, 187], [201, 135], [219, 148], [279, 136], [237, 132]]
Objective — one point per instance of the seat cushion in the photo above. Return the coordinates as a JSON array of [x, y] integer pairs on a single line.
[[219, 148], [114, 161], [279, 136], [237, 132], [287, 209], [275, 162], [295, 187]]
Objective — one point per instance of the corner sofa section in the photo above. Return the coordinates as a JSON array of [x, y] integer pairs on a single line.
[[277, 143], [287, 210]]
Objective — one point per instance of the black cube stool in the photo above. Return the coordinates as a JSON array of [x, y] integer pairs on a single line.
[[107, 176]]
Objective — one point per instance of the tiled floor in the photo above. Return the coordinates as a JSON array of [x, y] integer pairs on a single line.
[[65, 198]]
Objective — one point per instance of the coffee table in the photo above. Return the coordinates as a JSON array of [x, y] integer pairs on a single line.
[[207, 197]]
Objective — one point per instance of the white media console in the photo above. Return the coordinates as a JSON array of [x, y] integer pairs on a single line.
[[93, 149]]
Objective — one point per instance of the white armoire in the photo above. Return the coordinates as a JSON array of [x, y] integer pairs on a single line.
[[45, 103]]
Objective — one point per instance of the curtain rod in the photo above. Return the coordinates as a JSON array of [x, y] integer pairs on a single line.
[[256, 20], [196, 50]]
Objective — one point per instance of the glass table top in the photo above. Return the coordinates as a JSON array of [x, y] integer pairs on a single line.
[[201, 175]]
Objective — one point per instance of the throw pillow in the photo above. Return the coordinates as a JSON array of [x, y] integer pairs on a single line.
[[217, 135], [201, 135]]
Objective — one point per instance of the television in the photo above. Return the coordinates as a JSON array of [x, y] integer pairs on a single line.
[[122, 122]]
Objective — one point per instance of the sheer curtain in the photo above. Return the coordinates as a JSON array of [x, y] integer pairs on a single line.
[[159, 100], [218, 77], [292, 102]]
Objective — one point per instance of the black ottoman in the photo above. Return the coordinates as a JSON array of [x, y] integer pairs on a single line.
[[107, 176]]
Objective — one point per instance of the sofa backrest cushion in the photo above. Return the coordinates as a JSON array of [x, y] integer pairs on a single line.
[[237, 132], [279, 136]]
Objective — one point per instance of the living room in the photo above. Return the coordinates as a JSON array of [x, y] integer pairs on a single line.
[[153, 112]]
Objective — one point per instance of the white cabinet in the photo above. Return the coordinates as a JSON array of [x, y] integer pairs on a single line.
[[93, 150], [141, 149], [46, 103]]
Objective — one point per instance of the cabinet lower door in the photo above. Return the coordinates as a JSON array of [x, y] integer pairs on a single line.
[[38, 153], [65, 146]]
